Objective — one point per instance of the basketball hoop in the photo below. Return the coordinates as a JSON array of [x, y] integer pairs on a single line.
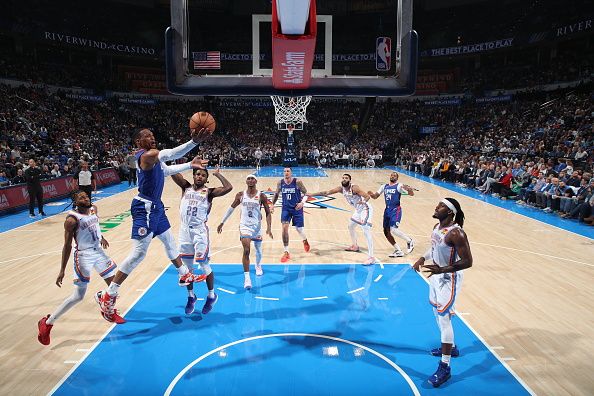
[[289, 112]]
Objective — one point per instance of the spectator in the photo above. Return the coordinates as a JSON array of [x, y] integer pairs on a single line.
[[33, 177]]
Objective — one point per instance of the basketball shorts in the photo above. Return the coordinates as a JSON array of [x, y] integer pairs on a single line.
[[392, 217], [148, 217], [86, 260], [194, 243], [250, 231], [291, 214], [443, 289], [363, 215]]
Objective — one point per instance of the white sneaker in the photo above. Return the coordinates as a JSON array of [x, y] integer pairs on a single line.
[[259, 270], [410, 246], [247, 284], [397, 253]]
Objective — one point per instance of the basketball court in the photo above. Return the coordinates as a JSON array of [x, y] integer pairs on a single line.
[[522, 324], [321, 324]]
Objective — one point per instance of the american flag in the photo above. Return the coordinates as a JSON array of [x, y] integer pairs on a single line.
[[207, 60]]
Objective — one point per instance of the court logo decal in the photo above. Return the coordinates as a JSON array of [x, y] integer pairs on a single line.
[[317, 202]]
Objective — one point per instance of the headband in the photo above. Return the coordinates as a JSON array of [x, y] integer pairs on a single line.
[[449, 205]]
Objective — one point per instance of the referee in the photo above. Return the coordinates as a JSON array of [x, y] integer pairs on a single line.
[[85, 179]]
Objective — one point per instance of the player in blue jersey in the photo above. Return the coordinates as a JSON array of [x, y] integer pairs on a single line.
[[148, 212], [293, 199], [393, 213]]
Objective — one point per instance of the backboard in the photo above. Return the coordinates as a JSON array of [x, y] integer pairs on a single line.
[[224, 48]]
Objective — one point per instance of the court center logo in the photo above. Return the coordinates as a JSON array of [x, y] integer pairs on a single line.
[[317, 202]]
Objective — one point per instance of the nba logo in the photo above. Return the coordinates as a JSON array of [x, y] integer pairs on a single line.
[[383, 49]]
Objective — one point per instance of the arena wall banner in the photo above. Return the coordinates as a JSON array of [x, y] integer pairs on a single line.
[[106, 177], [470, 48], [88, 98], [142, 101], [443, 102], [15, 197], [494, 99], [225, 56], [99, 44]]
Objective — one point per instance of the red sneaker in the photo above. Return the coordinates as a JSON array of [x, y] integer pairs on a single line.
[[44, 330], [114, 317], [106, 304], [285, 257], [306, 246], [185, 280]]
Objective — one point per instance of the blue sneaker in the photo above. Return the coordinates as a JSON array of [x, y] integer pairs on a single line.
[[190, 305], [442, 374], [437, 352], [210, 302]]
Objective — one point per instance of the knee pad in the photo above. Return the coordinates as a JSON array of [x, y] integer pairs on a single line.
[[446, 329], [170, 246], [139, 248]]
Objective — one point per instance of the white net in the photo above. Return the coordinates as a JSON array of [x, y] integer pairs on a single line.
[[290, 111]]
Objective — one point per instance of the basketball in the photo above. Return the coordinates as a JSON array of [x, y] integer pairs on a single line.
[[202, 119]]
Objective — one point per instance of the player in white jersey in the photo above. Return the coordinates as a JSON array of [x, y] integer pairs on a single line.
[[250, 225], [450, 255], [82, 225], [362, 216], [393, 191], [194, 238]]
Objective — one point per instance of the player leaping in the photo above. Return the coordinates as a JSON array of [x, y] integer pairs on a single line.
[[148, 212], [362, 216], [293, 199], [194, 238], [393, 213]]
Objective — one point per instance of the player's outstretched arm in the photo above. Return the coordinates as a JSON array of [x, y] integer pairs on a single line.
[[408, 189], [456, 238], [183, 149], [225, 189], [264, 202], [196, 163], [374, 195], [327, 192], [359, 190], [181, 181], [230, 210], [70, 226]]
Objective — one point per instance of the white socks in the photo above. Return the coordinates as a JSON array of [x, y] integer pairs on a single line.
[[446, 359], [113, 289], [182, 270], [211, 293], [246, 275], [397, 248]]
